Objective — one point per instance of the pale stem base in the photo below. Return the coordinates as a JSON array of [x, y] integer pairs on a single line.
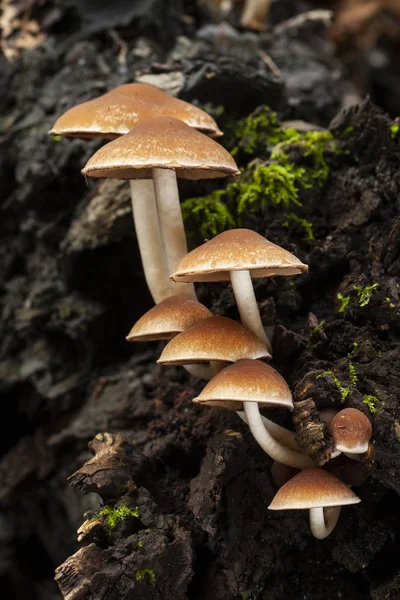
[[171, 224], [273, 448], [148, 234], [247, 304], [323, 521]]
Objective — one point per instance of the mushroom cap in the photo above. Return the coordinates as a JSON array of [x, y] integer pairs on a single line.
[[351, 431], [167, 319], [215, 338], [246, 381], [313, 488], [165, 143], [116, 112], [236, 250]]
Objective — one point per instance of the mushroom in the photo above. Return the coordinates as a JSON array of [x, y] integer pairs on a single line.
[[164, 148], [351, 432], [249, 384], [114, 114], [168, 318], [238, 256], [319, 491], [327, 415], [216, 340]]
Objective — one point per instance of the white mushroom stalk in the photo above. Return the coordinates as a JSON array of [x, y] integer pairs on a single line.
[[149, 238], [281, 434], [171, 223], [270, 445], [323, 520], [247, 304]]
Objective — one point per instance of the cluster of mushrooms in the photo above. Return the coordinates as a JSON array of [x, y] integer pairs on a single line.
[[157, 139]]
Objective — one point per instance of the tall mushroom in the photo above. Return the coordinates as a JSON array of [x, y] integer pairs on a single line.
[[320, 492], [249, 384], [164, 148], [239, 255], [114, 114]]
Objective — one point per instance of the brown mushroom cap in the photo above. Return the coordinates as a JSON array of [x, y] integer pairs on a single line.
[[351, 431], [116, 112], [165, 143], [213, 339], [236, 250], [167, 319], [313, 488], [246, 381]]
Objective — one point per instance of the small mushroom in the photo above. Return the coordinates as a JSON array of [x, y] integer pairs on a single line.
[[168, 318], [238, 256], [249, 384], [320, 492], [351, 432], [164, 148], [216, 340]]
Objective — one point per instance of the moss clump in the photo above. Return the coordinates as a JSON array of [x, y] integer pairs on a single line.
[[254, 134], [114, 515], [365, 293], [293, 162], [394, 130], [145, 573], [208, 214], [344, 302], [344, 391], [371, 401], [352, 374]]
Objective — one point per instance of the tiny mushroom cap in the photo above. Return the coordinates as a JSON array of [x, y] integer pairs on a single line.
[[168, 318], [237, 250], [213, 339], [246, 381], [313, 488], [164, 143], [351, 431], [116, 112]]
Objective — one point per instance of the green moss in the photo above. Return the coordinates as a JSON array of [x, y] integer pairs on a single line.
[[365, 293], [394, 130], [315, 331], [258, 131], [297, 162], [304, 224], [371, 401], [314, 144], [344, 391], [352, 374], [344, 301], [145, 573], [354, 350], [114, 515], [56, 138], [140, 544], [347, 131], [207, 214]]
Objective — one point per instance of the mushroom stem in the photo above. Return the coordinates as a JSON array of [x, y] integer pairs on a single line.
[[273, 448], [247, 304], [200, 371], [255, 13], [148, 234], [323, 521], [281, 434], [171, 223]]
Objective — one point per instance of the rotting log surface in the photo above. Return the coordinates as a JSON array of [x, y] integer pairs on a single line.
[[71, 287]]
